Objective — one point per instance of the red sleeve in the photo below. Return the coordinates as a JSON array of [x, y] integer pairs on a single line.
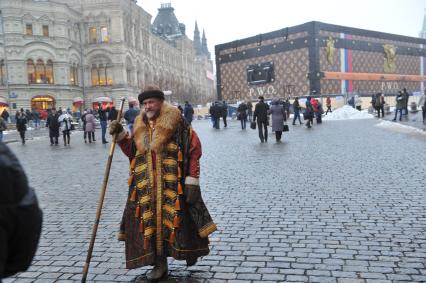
[[194, 156], [126, 146]]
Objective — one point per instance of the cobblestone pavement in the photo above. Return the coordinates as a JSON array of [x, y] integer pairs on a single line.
[[342, 202]]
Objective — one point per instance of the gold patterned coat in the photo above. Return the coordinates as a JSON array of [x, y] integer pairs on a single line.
[[164, 156]]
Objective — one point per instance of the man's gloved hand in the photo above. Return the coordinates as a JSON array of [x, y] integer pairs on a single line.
[[115, 128]]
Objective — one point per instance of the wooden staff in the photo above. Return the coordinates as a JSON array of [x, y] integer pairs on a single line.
[[101, 198]]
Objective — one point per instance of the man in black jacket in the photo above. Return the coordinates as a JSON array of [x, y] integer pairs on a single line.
[[103, 120], [261, 114], [53, 125], [20, 216]]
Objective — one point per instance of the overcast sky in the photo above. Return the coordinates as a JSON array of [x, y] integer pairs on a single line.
[[228, 20]]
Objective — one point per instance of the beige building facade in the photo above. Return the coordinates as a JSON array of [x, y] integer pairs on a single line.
[[59, 53]]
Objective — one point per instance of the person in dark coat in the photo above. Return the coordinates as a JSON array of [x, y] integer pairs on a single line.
[[103, 119], [399, 105], [296, 110], [250, 110], [130, 116], [188, 112], [5, 115], [309, 113], [242, 114], [319, 112], [261, 115], [53, 124], [328, 104], [20, 216], [112, 115], [406, 97], [21, 124], [379, 104], [224, 113], [215, 112]]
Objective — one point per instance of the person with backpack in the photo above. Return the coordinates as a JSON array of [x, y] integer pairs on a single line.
[[296, 110], [422, 104]]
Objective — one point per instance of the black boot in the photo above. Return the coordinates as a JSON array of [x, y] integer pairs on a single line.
[[160, 269]]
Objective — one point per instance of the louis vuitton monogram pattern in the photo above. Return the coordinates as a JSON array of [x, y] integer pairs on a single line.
[[290, 68]]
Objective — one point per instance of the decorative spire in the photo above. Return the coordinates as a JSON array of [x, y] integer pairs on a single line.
[[204, 47], [197, 41]]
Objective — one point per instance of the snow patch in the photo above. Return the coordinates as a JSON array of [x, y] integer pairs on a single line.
[[347, 113], [400, 128]]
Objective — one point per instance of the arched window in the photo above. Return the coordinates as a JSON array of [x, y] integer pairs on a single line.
[[101, 74], [73, 74], [31, 71], [49, 72], [2, 73], [40, 72]]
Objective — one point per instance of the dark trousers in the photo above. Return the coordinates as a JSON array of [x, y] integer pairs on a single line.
[[328, 109], [278, 135], [263, 130], [297, 116], [380, 109], [396, 114], [216, 122], [224, 121], [103, 128], [53, 140], [310, 122], [250, 115], [243, 123], [66, 135], [424, 114], [22, 134], [90, 135]]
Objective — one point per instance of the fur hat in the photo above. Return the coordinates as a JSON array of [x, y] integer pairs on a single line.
[[150, 91]]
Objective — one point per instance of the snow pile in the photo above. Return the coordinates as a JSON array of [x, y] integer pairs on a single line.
[[347, 113], [400, 128]]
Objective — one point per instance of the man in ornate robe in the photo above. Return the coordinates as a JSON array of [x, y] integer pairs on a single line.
[[165, 214]]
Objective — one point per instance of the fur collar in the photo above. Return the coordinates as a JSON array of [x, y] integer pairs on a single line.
[[165, 127]]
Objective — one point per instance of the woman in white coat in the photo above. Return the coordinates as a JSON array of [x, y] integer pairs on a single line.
[[65, 121]]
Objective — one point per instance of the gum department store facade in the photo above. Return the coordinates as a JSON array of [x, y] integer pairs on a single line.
[[64, 52]]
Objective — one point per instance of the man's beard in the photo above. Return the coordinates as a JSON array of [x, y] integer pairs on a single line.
[[151, 114]]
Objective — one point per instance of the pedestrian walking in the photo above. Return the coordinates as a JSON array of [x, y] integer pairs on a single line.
[[328, 104], [65, 121], [399, 105], [20, 216], [319, 112], [242, 114], [21, 124], [130, 116], [29, 117], [112, 114], [3, 127], [250, 110], [422, 104], [90, 126], [53, 124], [309, 113], [296, 111], [103, 119], [165, 214], [224, 113], [215, 113], [380, 104], [278, 116], [261, 115], [36, 118], [188, 112], [5, 115], [406, 97]]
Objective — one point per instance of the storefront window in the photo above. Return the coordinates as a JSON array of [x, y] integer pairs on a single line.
[[108, 70], [40, 72], [74, 74], [101, 75]]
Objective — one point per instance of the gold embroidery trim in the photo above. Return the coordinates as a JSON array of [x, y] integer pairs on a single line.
[[168, 208], [169, 162], [172, 147], [207, 230], [159, 212], [170, 178], [145, 200], [142, 184], [147, 215], [168, 223], [170, 194], [140, 168]]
